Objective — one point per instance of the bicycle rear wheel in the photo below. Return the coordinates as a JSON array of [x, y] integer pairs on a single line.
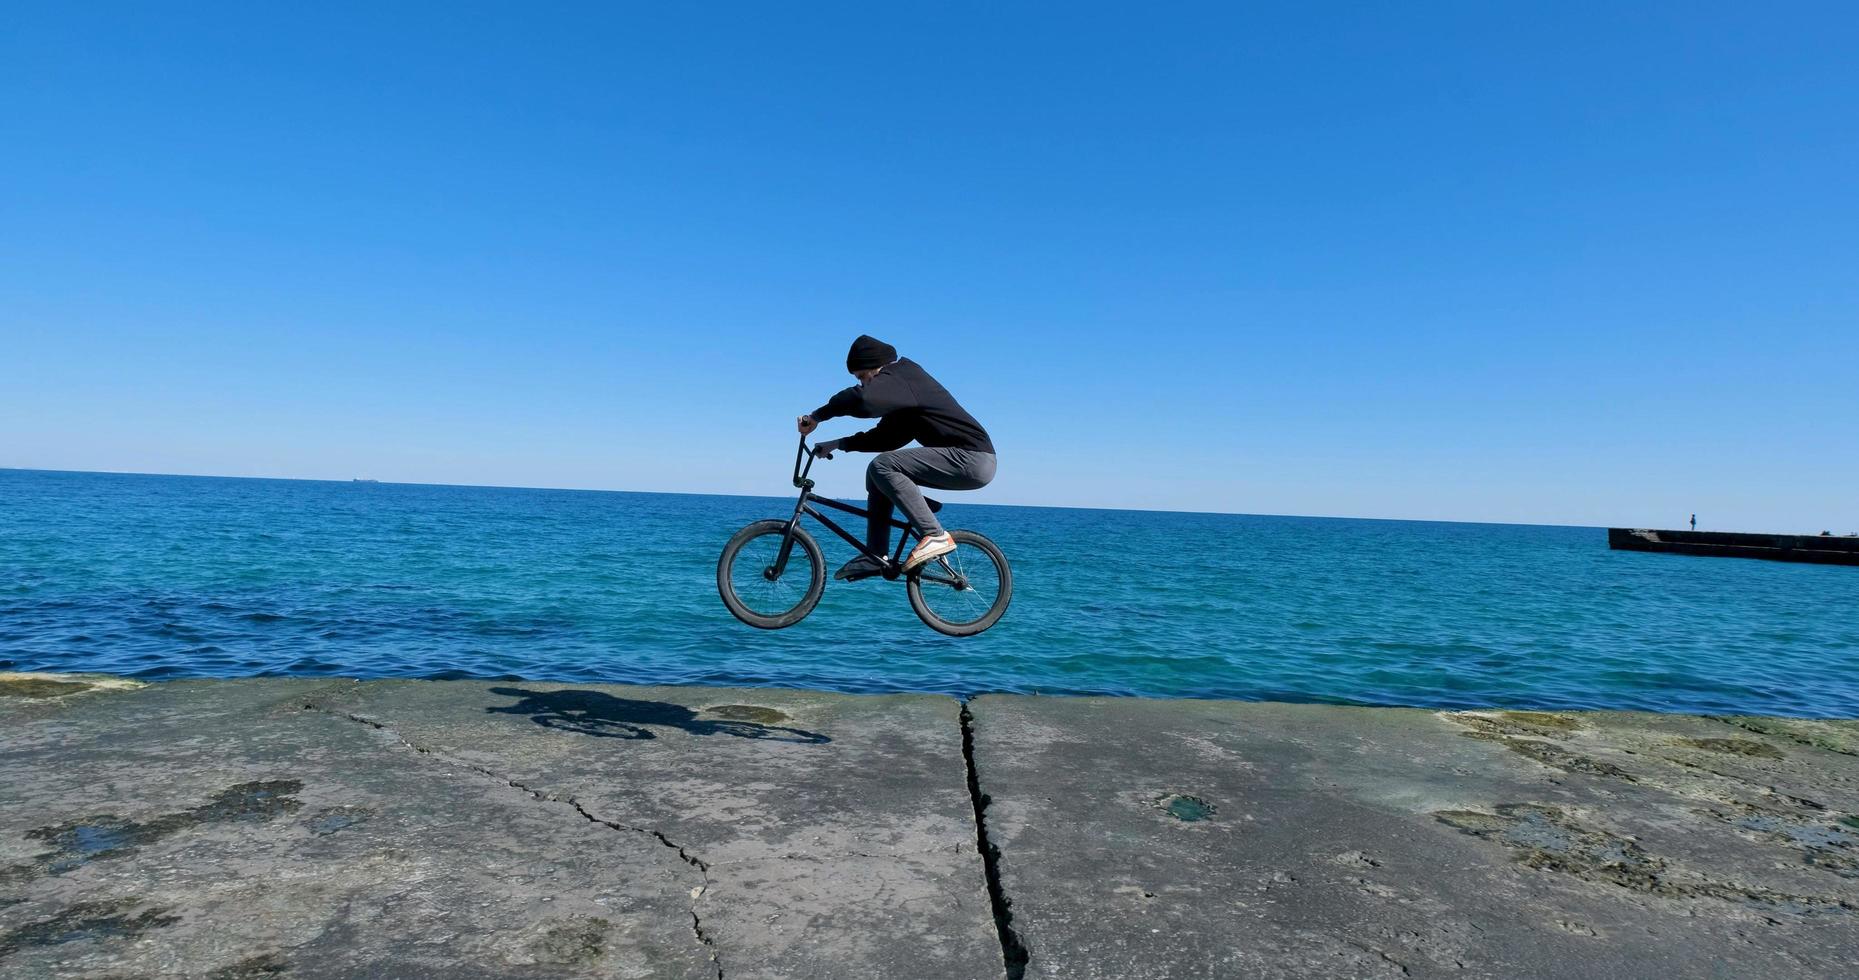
[[753, 594], [965, 591]]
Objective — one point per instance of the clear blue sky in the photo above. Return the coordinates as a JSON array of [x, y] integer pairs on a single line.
[[1557, 262]]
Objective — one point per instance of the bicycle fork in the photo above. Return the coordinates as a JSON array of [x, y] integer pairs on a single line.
[[774, 571]]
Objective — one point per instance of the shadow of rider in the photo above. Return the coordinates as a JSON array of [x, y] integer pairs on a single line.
[[605, 716]]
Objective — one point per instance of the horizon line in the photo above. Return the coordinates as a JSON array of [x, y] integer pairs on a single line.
[[698, 493]]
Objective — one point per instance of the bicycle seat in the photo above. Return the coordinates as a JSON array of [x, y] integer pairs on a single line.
[[934, 505]]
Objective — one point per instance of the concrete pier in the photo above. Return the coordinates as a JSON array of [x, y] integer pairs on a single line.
[[1819, 549], [317, 828]]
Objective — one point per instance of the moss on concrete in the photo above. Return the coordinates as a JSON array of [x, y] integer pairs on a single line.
[[1734, 746], [1500, 724], [577, 941], [1547, 838], [1542, 720], [747, 712], [1840, 737], [35, 687], [43, 686]]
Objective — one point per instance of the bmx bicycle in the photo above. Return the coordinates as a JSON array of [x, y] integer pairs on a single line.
[[772, 573]]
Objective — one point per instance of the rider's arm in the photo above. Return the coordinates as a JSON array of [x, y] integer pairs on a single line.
[[847, 402], [882, 395], [890, 433]]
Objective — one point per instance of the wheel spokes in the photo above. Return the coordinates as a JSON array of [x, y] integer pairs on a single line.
[[770, 596], [968, 590]]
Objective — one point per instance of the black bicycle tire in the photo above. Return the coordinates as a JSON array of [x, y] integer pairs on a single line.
[[994, 613], [815, 588]]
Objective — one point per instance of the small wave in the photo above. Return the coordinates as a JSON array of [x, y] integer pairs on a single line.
[[1304, 609]]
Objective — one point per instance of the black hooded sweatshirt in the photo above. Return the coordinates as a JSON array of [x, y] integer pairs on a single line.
[[908, 404]]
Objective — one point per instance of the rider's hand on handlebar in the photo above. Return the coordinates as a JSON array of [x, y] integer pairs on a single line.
[[806, 424], [825, 450]]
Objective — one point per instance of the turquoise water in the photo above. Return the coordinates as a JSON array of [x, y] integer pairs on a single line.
[[184, 576]]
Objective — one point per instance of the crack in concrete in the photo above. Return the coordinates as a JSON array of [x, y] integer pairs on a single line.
[[703, 869], [1014, 955], [697, 924], [836, 854]]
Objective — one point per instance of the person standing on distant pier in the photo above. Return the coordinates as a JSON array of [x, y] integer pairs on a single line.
[[1694, 522], [953, 451]]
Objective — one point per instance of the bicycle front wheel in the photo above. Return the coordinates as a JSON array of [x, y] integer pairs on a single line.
[[745, 575], [965, 591]]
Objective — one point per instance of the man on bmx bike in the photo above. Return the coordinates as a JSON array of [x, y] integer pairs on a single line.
[[953, 451]]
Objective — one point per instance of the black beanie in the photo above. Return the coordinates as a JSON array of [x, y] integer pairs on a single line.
[[869, 352]]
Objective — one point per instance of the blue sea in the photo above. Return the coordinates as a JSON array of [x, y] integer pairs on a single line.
[[160, 576]]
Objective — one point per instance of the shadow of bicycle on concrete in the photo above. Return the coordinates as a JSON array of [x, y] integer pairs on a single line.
[[605, 716]]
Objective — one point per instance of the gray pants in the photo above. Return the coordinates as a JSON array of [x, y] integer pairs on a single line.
[[893, 478]]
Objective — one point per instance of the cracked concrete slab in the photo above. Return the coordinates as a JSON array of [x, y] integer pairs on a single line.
[[835, 830], [216, 829], [461, 829], [1216, 839], [264, 828]]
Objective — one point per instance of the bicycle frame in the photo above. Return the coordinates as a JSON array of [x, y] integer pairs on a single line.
[[804, 506]]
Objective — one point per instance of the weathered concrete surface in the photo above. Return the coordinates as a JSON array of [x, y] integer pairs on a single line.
[[1384, 843], [459, 829], [301, 828]]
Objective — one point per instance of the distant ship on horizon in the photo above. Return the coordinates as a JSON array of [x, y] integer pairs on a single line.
[[360, 479]]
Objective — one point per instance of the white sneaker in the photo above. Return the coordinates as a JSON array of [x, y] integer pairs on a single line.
[[932, 547]]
